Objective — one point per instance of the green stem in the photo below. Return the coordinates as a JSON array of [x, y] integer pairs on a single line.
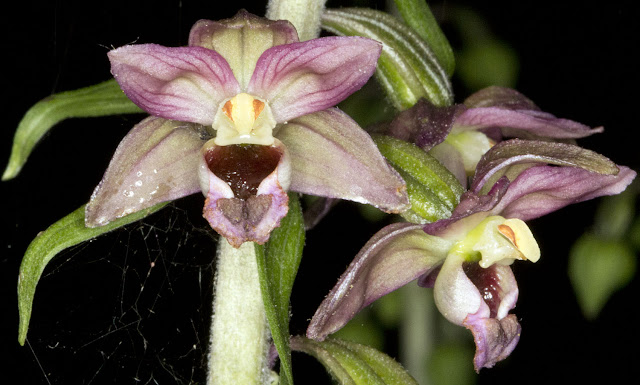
[[303, 14], [416, 336], [239, 332]]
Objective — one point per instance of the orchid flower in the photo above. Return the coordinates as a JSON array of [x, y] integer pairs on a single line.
[[466, 258], [243, 115], [460, 135]]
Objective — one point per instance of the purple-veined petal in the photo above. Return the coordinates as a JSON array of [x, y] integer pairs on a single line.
[[393, 257], [480, 299], [543, 189], [180, 83], [300, 78], [507, 158], [516, 123], [516, 116], [156, 162], [243, 204], [424, 124], [332, 156], [242, 39]]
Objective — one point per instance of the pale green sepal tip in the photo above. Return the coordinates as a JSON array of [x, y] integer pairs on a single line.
[[68, 231], [102, 99], [278, 261], [354, 364]]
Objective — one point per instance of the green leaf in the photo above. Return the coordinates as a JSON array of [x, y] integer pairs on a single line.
[[598, 268], [354, 364], [278, 263], [433, 191], [101, 99], [68, 231], [417, 15], [408, 69]]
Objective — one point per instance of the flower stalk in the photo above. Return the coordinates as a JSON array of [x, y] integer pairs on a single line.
[[239, 332]]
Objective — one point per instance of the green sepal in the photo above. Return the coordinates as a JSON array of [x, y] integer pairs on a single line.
[[599, 267], [433, 191], [350, 363], [68, 231], [408, 68], [417, 15], [102, 99], [278, 262]]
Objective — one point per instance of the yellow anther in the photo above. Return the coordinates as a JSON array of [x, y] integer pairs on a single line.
[[518, 233]]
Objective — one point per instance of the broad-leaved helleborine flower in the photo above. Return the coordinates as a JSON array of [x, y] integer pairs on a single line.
[[466, 258], [243, 114], [460, 135]]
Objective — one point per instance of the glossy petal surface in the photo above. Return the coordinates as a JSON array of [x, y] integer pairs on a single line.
[[156, 162], [301, 78], [332, 156], [180, 83]]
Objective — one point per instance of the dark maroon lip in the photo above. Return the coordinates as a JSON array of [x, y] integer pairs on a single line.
[[243, 166]]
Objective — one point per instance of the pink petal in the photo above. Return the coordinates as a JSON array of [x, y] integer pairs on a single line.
[[156, 162], [331, 156], [300, 78], [393, 257], [180, 83]]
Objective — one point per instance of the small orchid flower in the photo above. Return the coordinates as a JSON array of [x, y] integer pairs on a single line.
[[460, 135], [243, 115], [466, 258]]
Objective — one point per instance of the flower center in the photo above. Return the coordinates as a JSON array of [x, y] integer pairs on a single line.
[[244, 119], [498, 240]]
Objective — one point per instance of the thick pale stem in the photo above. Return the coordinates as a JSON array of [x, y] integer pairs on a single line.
[[239, 332], [303, 14]]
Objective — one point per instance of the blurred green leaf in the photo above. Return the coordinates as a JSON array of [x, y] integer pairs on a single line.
[[278, 263], [408, 69], [68, 231], [433, 191], [417, 15], [354, 364], [597, 269], [362, 329], [101, 99], [615, 215], [452, 364]]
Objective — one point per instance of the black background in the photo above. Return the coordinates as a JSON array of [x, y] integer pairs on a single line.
[[103, 314]]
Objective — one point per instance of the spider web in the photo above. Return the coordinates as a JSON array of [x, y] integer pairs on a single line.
[[130, 307]]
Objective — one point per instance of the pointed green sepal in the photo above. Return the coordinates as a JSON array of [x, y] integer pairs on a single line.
[[408, 68], [417, 15], [278, 262], [68, 231], [433, 191], [102, 99], [354, 364]]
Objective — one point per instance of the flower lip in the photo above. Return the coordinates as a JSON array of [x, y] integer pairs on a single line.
[[242, 167]]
